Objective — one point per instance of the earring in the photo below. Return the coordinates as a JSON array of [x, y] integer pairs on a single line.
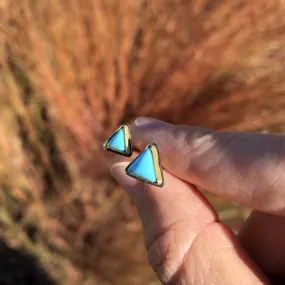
[[120, 142], [146, 167]]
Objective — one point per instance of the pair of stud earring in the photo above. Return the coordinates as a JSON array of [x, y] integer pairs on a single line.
[[146, 166]]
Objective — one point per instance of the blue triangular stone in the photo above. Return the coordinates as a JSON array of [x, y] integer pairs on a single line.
[[118, 141], [143, 166]]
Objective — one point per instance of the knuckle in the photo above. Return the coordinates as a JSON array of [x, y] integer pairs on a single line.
[[191, 141], [159, 255], [196, 143], [167, 251], [206, 150]]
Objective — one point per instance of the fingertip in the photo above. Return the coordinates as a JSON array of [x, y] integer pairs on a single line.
[[129, 184], [147, 130], [117, 170], [118, 166], [145, 123]]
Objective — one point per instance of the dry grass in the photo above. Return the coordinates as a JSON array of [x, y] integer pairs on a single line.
[[73, 70]]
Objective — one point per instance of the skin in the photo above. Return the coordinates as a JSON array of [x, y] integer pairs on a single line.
[[186, 242]]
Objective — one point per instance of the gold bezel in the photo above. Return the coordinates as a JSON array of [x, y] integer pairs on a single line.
[[128, 142], [157, 167]]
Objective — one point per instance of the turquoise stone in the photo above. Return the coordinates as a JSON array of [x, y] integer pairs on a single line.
[[143, 166], [118, 141]]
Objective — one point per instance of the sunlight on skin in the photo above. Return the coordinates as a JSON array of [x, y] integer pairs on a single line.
[[185, 241]]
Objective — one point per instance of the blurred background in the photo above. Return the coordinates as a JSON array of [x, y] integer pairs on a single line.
[[71, 72]]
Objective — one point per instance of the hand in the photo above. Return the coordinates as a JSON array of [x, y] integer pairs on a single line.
[[185, 241]]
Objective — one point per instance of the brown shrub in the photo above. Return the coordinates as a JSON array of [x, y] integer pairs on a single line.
[[73, 70]]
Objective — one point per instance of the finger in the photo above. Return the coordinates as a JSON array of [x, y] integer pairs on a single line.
[[186, 244], [246, 168], [263, 236]]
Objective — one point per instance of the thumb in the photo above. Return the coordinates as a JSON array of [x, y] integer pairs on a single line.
[[185, 242]]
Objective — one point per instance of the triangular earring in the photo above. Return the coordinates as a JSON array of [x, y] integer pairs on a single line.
[[120, 142], [146, 167]]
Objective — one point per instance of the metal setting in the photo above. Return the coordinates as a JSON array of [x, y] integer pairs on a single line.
[[127, 139], [157, 167]]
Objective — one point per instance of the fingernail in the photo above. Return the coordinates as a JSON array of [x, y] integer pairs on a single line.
[[150, 123], [144, 121], [118, 172], [131, 185]]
